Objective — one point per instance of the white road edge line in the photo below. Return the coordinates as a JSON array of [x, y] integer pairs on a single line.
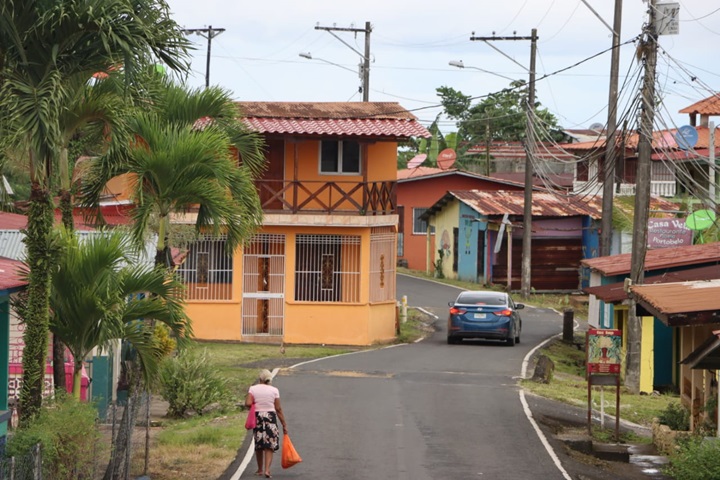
[[528, 412]]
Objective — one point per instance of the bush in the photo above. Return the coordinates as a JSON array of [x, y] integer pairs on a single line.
[[68, 437], [189, 383], [696, 459], [675, 416]]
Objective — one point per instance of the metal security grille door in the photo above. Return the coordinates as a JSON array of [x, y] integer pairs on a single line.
[[382, 264], [264, 286]]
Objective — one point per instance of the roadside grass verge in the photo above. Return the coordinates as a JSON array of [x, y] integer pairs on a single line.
[[568, 385]]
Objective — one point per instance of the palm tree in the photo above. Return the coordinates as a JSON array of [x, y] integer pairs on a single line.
[[184, 157], [42, 45], [99, 294]]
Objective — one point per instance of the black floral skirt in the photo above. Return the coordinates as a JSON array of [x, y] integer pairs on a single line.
[[266, 431]]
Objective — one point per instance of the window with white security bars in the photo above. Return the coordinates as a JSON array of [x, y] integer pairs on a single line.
[[207, 270], [382, 264], [327, 268]]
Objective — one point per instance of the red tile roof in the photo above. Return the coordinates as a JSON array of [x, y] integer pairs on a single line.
[[708, 106], [656, 259], [10, 274], [365, 119], [662, 139], [506, 150]]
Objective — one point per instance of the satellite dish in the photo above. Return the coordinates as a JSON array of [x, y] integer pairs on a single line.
[[416, 161], [446, 158], [686, 137], [598, 127], [700, 220]]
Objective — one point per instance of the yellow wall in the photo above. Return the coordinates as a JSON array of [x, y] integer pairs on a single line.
[[647, 352], [219, 319], [444, 222]]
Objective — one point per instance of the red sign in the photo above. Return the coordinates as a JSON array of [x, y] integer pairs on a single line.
[[604, 351], [668, 232]]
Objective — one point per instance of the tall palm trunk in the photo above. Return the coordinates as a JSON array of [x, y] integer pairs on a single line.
[[37, 315], [66, 209]]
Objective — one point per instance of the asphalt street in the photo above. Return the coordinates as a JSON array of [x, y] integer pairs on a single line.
[[422, 411]]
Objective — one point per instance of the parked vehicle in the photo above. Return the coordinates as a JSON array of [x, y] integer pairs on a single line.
[[486, 315]]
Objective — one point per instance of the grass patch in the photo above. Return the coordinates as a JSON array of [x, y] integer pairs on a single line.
[[238, 362], [415, 328], [568, 385]]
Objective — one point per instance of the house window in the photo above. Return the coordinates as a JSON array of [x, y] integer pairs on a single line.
[[207, 270], [339, 156], [327, 268], [420, 226]]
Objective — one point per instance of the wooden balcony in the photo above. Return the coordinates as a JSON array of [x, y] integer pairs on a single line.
[[336, 197]]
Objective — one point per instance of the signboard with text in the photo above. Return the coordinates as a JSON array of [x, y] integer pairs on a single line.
[[604, 351], [668, 232]]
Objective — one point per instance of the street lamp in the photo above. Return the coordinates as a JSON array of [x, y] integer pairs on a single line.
[[460, 64], [309, 56]]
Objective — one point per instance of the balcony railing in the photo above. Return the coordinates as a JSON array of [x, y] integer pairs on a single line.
[[657, 188], [316, 196]]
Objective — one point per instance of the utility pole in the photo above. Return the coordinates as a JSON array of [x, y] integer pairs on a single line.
[[365, 73], [611, 150], [208, 33], [648, 49], [525, 285]]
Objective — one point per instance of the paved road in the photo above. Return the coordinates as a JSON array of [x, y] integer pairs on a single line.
[[423, 411]]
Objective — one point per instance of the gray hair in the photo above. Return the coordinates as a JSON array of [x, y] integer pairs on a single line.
[[265, 376]]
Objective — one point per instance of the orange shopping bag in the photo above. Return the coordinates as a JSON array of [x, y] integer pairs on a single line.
[[289, 455]]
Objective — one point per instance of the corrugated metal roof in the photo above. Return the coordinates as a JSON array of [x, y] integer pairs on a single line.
[[420, 173], [615, 292], [707, 106], [368, 119], [654, 259], [10, 277], [12, 221], [506, 150], [544, 204], [681, 297]]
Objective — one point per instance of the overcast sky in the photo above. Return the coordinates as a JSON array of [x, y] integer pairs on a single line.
[[257, 56]]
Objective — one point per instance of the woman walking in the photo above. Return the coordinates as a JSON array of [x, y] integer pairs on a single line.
[[267, 411]]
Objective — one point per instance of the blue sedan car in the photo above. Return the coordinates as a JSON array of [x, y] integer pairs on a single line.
[[486, 315]]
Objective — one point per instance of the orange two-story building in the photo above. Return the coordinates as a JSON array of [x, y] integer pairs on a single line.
[[321, 270]]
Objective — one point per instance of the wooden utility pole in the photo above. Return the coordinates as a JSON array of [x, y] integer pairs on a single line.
[[611, 150], [208, 33], [365, 73], [648, 49], [525, 285]]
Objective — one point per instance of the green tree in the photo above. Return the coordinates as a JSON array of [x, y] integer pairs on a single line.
[[99, 294], [498, 116], [43, 44]]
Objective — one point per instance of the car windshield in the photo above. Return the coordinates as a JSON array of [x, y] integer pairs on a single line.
[[481, 298]]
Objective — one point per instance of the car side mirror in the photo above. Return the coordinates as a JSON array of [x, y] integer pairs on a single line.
[[450, 304], [519, 306]]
